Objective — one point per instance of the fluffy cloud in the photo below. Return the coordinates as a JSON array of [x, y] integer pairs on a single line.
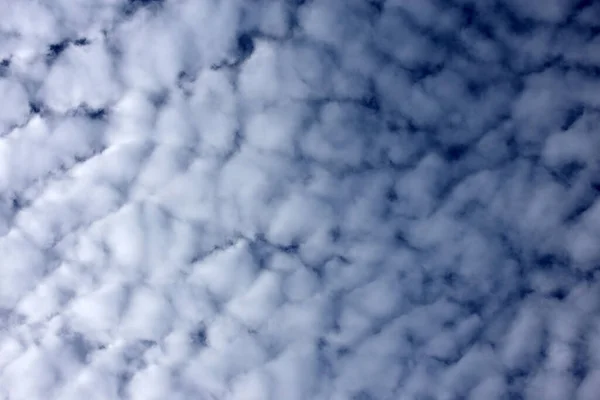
[[302, 199]]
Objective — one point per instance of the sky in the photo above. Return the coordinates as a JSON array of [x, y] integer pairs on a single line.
[[299, 199]]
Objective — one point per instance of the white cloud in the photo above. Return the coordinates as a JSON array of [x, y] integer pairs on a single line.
[[15, 104], [255, 306], [491, 388], [276, 128], [260, 76], [23, 266], [214, 113], [552, 11], [309, 200], [335, 140], [153, 383], [225, 274], [148, 316], [42, 376], [590, 386], [82, 75]]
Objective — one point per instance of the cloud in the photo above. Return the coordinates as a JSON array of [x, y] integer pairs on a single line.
[[81, 75], [16, 110], [304, 200]]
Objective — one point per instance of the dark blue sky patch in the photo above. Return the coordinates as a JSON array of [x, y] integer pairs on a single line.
[[132, 6], [517, 24], [198, 336], [559, 294], [455, 152], [572, 116], [99, 113], [55, 50], [377, 6], [4, 67], [81, 42], [576, 212], [391, 195], [371, 100], [245, 46], [35, 107], [363, 395]]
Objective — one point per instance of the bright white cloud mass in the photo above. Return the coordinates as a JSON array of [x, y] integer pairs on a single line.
[[309, 199]]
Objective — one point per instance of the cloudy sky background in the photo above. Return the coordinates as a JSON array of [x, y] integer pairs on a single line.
[[320, 199]]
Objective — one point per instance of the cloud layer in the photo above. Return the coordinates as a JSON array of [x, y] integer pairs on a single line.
[[314, 199]]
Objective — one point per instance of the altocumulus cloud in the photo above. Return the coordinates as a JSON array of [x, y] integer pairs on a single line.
[[321, 199]]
